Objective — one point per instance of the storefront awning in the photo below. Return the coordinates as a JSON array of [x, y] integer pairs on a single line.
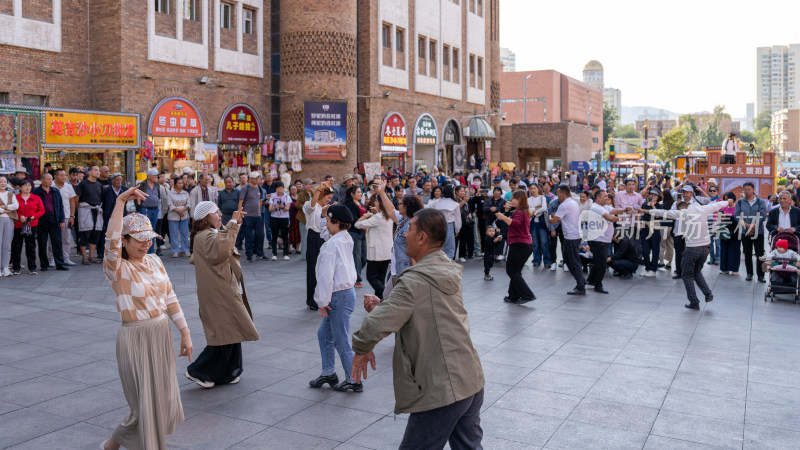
[[479, 129]]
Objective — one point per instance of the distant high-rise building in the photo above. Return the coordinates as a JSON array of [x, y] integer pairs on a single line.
[[785, 132], [749, 117], [613, 97], [778, 78], [508, 59]]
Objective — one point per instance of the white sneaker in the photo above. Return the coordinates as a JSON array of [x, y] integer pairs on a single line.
[[286, 258], [5, 272], [500, 258], [274, 258], [566, 269], [552, 267], [51, 263], [462, 260], [561, 264], [291, 249], [69, 262], [234, 381], [201, 383], [648, 274]]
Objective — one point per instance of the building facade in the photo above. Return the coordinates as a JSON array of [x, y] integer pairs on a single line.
[[778, 78], [613, 97], [785, 132], [508, 59], [593, 74]]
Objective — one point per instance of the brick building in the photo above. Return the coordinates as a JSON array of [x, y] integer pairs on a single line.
[[208, 65]]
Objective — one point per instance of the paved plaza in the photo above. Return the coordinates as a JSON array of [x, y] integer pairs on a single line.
[[633, 369]]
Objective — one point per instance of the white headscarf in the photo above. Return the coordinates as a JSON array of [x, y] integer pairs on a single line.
[[203, 209]]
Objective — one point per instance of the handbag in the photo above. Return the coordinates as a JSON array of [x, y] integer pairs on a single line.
[[26, 230]]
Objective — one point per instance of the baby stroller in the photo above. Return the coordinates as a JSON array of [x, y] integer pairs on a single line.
[[783, 279]]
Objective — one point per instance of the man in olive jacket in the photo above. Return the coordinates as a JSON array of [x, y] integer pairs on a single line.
[[438, 376]]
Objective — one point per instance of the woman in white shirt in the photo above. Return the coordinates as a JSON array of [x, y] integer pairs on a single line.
[[178, 218], [450, 207], [585, 203], [379, 227], [8, 208], [540, 235]]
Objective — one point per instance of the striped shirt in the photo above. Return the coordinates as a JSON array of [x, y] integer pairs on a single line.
[[143, 289]]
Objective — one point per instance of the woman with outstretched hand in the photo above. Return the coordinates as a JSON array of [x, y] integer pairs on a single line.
[[145, 356]]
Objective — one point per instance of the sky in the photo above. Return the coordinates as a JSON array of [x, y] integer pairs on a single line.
[[678, 55]]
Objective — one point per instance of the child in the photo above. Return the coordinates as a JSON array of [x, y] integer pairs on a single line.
[[585, 254], [781, 252], [335, 296], [491, 242]]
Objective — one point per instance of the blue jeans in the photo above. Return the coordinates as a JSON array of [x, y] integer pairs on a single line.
[[152, 215], [334, 333], [265, 217], [253, 230], [541, 242], [714, 250], [179, 235]]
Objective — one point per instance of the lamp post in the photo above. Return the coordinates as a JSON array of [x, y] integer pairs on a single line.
[[525, 99], [644, 173]]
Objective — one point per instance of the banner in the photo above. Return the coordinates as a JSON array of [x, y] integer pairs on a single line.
[[393, 136], [27, 134], [325, 130], [370, 170], [90, 130], [176, 117]]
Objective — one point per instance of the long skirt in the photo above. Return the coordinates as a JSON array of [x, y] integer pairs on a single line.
[[146, 362], [449, 247], [219, 364]]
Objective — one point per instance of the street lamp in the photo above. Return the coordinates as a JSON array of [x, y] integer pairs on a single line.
[[644, 171], [525, 100]]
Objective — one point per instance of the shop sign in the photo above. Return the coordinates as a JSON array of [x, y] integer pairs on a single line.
[[394, 138], [760, 170], [451, 134], [240, 125], [176, 117], [425, 132], [89, 130], [325, 133]]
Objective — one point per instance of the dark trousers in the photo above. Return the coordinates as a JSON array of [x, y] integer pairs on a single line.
[[651, 246], [730, 254], [280, 225], [623, 266], [376, 275], [553, 242], [313, 244], [693, 260], [488, 261], [680, 247], [518, 253], [49, 228], [253, 230], [747, 245], [466, 240], [573, 261], [30, 249], [458, 423], [599, 265]]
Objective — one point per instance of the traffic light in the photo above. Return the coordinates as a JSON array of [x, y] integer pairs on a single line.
[[611, 152]]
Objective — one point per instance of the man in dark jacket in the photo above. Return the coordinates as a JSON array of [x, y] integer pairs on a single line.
[[625, 259], [51, 223], [785, 217], [109, 199]]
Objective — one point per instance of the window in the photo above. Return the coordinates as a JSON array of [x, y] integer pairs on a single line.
[[162, 6], [225, 15], [480, 73], [34, 100], [595, 141], [446, 55], [386, 35], [3, 97], [399, 40], [456, 71], [472, 64], [421, 49], [189, 9], [248, 21], [433, 52], [480, 8]]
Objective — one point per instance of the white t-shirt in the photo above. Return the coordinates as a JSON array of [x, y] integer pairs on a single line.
[[67, 192], [569, 212], [282, 201], [602, 210], [538, 205]]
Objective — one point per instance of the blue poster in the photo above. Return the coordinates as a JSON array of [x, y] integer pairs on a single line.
[[325, 130]]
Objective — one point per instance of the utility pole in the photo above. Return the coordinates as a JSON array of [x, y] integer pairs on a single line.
[[644, 173], [525, 100]]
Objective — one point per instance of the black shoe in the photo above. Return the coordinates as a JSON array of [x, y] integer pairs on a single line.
[[660, 265], [43, 269], [712, 263], [627, 276], [61, 268], [749, 277], [507, 299], [694, 306], [332, 380], [761, 280], [600, 290], [249, 259], [577, 291], [709, 298], [616, 274], [676, 276], [345, 386], [313, 307], [522, 301]]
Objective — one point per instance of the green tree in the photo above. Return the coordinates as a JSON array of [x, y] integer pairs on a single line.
[[672, 144], [763, 120], [627, 131], [688, 124], [711, 134], [610, 118]]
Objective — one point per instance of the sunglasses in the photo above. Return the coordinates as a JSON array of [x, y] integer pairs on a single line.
[[712, 190]]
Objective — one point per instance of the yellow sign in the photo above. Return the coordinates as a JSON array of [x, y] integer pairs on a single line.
[[90, 130], [628, 156]]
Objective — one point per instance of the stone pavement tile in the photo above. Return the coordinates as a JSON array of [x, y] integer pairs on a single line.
[[615, 329], [6, 407], [575, 366], [588, 352], [713, 369], [347, 446], [563, 383], [715, 343], [297, 386], [37, 390], [673, 349], [615, 415], [660, 442], [290, 360], [84, 404], [492, 392], [703, 430], [705, 405], [330, 421], [503, 373], [262, 407], [106, 350], [518, 426], [514, 357], [377, 397], [573, 315], [758, 437], [769, 415], [625, 374], [93, 373], [26, 424], [583, 435], [53, 362], [648, 360], [542, 403], [561, 323], [67, 340], [774, 376], [533, 345], [720, 387], [11, 375], [80, 435], [276, 438], [638, 392], [111, 419], [545, 333], [195, 397], [777, 395], [490, 442], [734, 358], [46, 317], [9, 310], [22, 350], [613, 317], [212, 431], [386, 433]]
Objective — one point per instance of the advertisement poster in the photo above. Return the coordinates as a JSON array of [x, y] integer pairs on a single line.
[[325, 130], [90, 130], [211, 163], [370, 170], [394, 139]]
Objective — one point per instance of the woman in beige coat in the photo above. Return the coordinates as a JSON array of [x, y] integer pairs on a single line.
[[224, 310]]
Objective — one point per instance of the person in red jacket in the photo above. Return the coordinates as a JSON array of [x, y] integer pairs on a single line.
[[29, 212]]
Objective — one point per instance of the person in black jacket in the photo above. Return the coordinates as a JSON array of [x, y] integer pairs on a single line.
[[466, 236], [108, 200], [495, 204], [784, 209], [625, 259], [492, 240], [51, 223], [352, 200], [476, 202]]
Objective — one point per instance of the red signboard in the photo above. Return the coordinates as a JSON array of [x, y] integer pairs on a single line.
[[240, 125], [176, 117], [394, 139]]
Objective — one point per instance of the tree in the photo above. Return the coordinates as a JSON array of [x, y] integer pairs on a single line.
[[688, 124], [711, 134], [627, 131], [762, 120], [672, 144], [610, 118]]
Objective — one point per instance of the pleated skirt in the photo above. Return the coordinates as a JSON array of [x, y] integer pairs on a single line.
[[146, 362]]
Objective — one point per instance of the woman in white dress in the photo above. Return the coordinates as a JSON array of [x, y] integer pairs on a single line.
[[450, 207]]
